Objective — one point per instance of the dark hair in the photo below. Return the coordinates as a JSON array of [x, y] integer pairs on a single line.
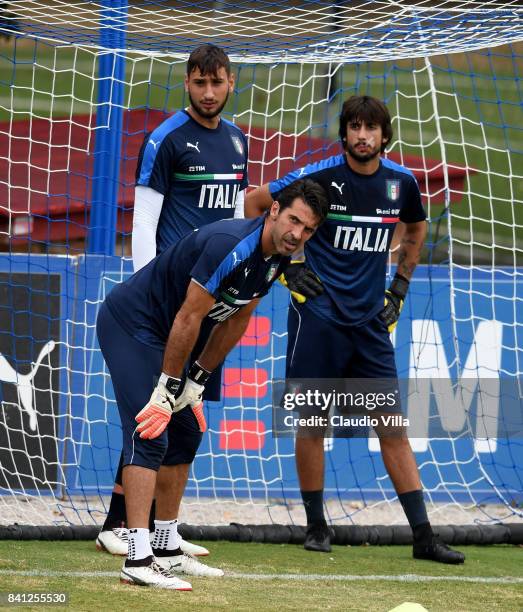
[[209, 59], [368, 109], [310, 192]]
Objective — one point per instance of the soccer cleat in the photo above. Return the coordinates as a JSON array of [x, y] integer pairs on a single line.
[[188, 547], [193, 549], [153, 575], [113, 541], [318, 537], [436, 550], [187, 564]]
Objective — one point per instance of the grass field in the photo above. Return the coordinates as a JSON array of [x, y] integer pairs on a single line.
[[270, 577]]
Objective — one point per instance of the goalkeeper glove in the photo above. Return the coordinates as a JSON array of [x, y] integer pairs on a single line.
[[394, 299], [192, 392], [155, 416], [301, 281]]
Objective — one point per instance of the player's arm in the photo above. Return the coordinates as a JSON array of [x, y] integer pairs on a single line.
[[258, 201], [154, 176], [411, 246], [225, 336], [155, 416], [409, 254], [186, 328], [239, 205], [147, 209]]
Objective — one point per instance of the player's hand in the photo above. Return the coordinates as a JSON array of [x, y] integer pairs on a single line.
[[155, 416], [200, 417], [191, 395], [301, 281], [394, 299], [192, 392]]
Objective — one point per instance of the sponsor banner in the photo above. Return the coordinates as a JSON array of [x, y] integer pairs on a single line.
[[30, 332], [458, 335]]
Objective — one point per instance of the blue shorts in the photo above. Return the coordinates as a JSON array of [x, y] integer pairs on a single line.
[[321, 349], [135, 369], [318, 348]]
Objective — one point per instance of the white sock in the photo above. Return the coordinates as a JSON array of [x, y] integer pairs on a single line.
[[166, 535], [139, 544]]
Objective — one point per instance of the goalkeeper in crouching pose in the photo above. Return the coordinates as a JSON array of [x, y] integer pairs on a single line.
[[162, 333]]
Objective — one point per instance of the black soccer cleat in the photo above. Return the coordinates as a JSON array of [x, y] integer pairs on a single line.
[[435, 549], [318, 537]]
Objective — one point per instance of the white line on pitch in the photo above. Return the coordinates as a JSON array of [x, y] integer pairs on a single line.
[[293, 577]]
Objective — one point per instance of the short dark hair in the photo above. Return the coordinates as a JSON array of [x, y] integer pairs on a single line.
[[310, 192], [209, 59], [368, 109]]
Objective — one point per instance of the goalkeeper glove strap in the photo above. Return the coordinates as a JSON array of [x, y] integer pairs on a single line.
[[198, 374], [399, 286], [171, 383]]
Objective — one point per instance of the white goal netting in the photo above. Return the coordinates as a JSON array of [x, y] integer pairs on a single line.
[[450, 73]]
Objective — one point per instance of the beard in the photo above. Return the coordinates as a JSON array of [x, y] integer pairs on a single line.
[[206, 114], [284, 244], [362, 157]]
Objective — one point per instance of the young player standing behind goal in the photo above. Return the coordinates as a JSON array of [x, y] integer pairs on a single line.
[[367, 195], [192, 170]]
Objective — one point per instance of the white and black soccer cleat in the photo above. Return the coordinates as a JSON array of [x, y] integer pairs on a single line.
[[188, 547], [186, 564], [153, 575], [193, 549], [113, 541]]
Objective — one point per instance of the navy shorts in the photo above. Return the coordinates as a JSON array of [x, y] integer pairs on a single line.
[[318, 348], [135, 369], [321, 349]]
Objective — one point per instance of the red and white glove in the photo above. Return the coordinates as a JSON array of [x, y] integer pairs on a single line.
[[200, 417], [155, 416], [192, 392]]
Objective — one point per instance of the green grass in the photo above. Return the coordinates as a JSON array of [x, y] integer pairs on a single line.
[[476, 110], [235, 593]]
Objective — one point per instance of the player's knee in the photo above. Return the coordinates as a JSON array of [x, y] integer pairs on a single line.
[[183, 449], [308, 437], [394, 440], [146, 453]]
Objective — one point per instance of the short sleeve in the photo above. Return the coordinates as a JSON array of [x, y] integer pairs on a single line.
[[217, 260], [245, 181], [279, 184], [412, 210], [156, 163], [310, 171]]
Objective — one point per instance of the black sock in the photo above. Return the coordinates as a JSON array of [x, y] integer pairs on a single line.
[[119, 472], [117, 516], [416, 512], [139, 562], [313, 503], [422, 532], [152, 515], [164, 552]]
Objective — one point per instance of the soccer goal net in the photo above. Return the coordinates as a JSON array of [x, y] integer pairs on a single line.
[[81, 83]]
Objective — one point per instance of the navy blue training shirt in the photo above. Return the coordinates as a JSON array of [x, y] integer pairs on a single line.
[[199, 170], [224, 257], [349, 252]]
